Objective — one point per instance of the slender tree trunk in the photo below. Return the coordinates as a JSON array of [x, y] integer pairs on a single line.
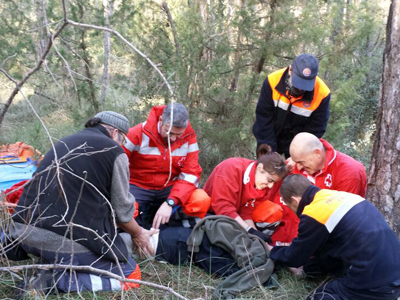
[[260, 62], [86, 59], [238, 56], [173, 29], [384, 177], [108, 10]]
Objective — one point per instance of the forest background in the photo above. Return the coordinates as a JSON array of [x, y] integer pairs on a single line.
[[214, 55]]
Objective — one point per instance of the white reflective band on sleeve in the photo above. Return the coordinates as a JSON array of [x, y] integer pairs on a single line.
[[335, 218], [193, 147], [145, 149], [246, 176], [282, 105], [188, 177], [131, 146], [301, 111], [181, 151], [97, 285], [115, 284]]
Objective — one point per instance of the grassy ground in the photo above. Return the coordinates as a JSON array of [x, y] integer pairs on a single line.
[[189, 281]]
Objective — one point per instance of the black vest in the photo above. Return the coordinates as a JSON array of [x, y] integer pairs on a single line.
[[79, 194]]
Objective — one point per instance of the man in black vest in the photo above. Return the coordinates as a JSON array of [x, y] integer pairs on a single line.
[[76, 204]]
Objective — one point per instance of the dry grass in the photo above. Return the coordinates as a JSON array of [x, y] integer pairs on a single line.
[[189, 281]]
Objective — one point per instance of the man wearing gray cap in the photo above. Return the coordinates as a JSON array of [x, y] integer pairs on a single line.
[[292, 100], [77, 200]]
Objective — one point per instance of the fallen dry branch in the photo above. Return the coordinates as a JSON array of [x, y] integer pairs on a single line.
[[91, 270]]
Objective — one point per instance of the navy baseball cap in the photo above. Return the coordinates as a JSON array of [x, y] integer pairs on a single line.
[[304, 71]]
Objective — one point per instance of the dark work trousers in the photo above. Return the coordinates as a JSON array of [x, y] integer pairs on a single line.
[[149, 202], [322, 264], [73, 281], [172, 248], [335, 290], [283, 141]]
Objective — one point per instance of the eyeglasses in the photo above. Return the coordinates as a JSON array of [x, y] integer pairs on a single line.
[[122, 138]]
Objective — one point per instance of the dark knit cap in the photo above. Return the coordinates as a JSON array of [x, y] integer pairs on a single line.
[[114, 119]]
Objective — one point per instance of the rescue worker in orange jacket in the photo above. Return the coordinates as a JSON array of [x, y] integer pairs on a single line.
[[157, 184], [292, 100]]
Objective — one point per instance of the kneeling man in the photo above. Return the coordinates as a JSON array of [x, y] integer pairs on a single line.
[[345, 229]]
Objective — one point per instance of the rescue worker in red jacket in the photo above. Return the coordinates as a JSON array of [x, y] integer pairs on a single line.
[[292, 100], [326, 167], [157, 183], [237, 185]]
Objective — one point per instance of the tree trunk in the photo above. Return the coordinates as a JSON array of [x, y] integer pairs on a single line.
[[108, 6], [384, 178], [173, 29], [89, 76]]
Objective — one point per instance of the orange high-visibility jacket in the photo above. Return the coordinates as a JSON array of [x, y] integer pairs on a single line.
[[149, 159]]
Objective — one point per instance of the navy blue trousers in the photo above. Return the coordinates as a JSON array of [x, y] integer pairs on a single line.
[[172, 248], [73, 281], [335, 290], [149, 202]]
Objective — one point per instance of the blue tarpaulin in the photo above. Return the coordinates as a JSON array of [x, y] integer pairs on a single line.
[[14, 172]]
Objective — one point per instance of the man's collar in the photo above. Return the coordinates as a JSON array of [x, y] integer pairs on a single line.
[[281, 88]]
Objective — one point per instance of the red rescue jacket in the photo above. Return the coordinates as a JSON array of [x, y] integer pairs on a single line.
[[231, 188], [341, 173], [149, 159]]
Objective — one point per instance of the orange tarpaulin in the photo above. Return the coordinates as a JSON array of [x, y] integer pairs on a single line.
[[19, 152]]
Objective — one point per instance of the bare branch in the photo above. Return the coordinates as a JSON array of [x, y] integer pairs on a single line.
[[30, 72], [66, 65], [130, 45], [91, 270], [7, 58], [8, 75]]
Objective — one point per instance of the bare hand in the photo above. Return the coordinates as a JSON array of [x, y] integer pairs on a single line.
[[162, 216], [142, 243], [269, 246], [298, 272], [290, 165]]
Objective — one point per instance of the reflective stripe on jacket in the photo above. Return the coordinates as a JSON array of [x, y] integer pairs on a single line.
[[149, 159], [344, 226]]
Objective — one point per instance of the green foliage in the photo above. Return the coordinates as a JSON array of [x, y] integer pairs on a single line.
[[210, 61]]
